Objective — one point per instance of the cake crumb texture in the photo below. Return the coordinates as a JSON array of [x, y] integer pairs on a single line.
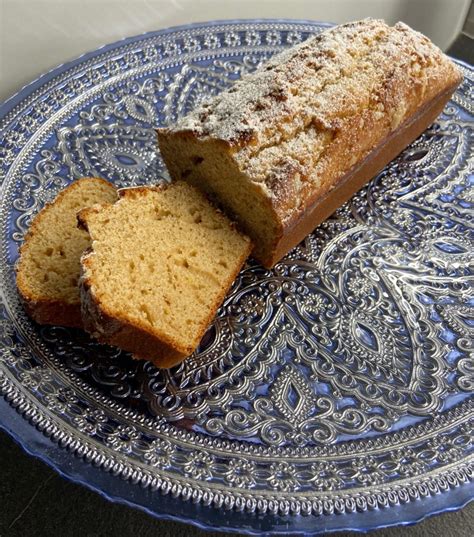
[[161, 261], [49, 264]]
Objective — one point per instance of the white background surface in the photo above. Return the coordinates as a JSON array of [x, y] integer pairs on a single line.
[[38, 35]]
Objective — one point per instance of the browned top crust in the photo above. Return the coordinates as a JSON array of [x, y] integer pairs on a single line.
[[297, 124]]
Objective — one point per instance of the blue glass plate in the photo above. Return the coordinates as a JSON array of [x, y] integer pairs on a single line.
[[332, 392]]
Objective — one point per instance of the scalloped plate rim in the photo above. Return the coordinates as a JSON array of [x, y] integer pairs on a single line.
[[38, 445], [20, 434]]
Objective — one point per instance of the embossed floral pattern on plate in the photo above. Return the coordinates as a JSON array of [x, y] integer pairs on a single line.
[[338, 382]]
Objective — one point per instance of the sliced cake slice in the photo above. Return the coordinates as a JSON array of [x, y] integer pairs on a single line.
[[161, 262], [49, 264]]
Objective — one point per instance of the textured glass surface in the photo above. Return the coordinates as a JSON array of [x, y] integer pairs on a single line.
[[333, 391]]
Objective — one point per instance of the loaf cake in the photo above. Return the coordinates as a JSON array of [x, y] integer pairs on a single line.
[[161, 261], [286, 145], [49, 264]]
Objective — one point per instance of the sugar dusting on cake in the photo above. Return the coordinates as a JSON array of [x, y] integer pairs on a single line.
[[281, 120]]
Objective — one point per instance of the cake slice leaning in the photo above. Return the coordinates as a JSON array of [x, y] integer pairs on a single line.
[[161, 262], [49, 264]]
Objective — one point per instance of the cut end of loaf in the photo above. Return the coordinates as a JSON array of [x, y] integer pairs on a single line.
[[161, 262], [48, 268]]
